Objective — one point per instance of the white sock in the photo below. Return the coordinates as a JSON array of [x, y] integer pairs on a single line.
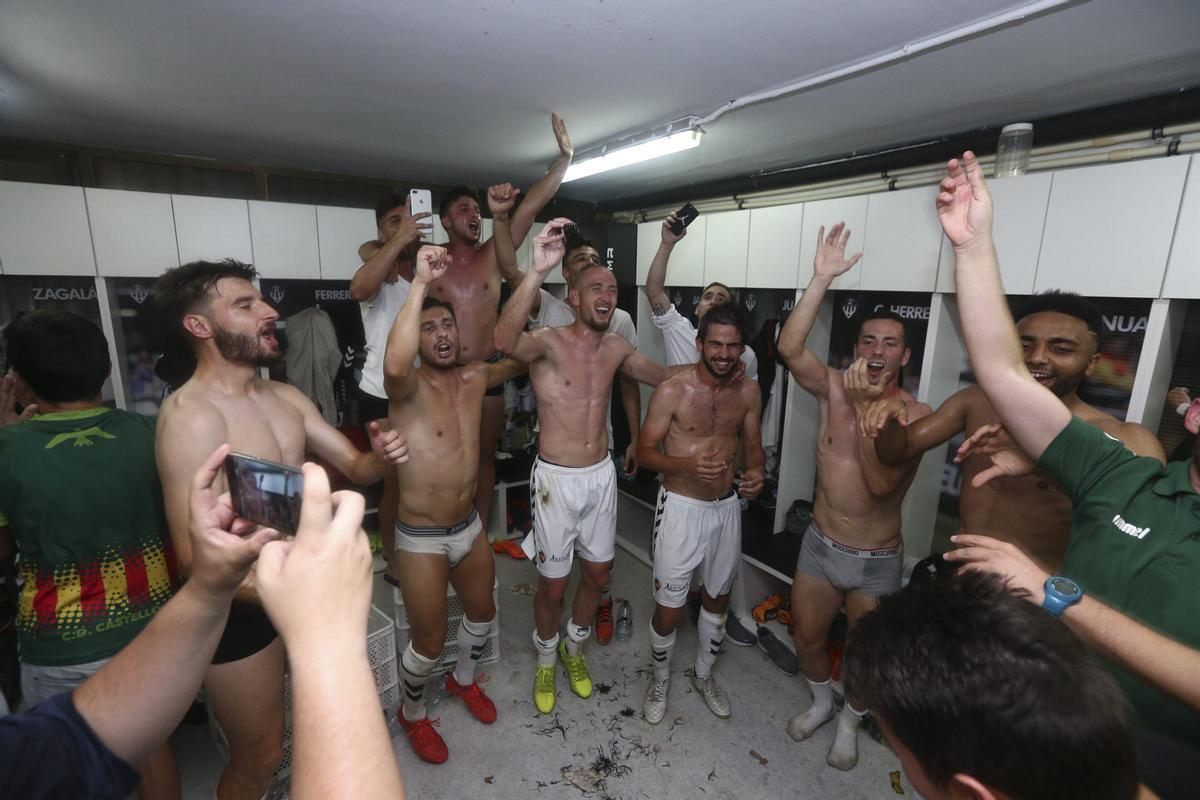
[[415, 670], [547, 649], [472, 636], [711, 632], [844, 753], [661, 648], [804, 724], [576, 636]]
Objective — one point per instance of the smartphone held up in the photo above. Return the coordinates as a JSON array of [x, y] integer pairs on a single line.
[[265, 492]]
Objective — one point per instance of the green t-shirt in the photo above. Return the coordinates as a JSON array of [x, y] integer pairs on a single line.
[[1135, 545], [80, 493]]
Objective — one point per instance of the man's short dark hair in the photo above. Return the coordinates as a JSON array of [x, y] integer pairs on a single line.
[[437, 302], [973, 678], [394, 200], [576, 244], [728, 291], [723, 314], [449, 198], [185, 290], [61, 356], [884, 313], [1069, 303]]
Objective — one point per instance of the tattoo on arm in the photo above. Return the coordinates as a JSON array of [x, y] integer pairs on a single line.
[[659, 308]]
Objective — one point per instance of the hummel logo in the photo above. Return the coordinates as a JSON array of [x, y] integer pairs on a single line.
[[1132, 530]]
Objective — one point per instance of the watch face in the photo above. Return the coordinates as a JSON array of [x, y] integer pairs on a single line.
[[1064, 586]]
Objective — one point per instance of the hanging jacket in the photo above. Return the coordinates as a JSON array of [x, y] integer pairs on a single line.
[[313, 358]]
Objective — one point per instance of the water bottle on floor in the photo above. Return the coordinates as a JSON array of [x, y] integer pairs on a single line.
[[624, 623]]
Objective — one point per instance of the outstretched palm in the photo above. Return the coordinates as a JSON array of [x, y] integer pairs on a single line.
[[964, 204], [560, 134], [831, 258]]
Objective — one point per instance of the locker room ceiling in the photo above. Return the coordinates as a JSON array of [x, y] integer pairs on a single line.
[[461, 90]]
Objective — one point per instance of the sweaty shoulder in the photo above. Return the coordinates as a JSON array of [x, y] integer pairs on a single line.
[[190, 414]]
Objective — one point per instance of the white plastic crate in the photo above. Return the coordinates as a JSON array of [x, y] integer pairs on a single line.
[[454, 615], [381, 654]]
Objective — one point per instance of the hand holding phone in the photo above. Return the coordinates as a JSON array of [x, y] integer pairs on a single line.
[[420, 201], [683, 218], [264, 491]]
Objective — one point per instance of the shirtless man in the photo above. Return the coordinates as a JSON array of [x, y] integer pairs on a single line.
[[852, 552], [472, 286], [380, 286], [1060, 333], [572, 486], [437, 407], [550, 312], [700, 416], [232, 332]]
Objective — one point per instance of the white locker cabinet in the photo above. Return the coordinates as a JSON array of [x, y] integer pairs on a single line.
[[340, 231], [902, 241], [1108, 228], [852, 211], [1020, 216], [284, 236], [212, 228], [686, 267], [133, 233], [773, 250], [1183, 268], [44, 230], [725, 247]]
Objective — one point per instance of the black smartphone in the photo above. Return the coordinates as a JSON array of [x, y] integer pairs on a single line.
[[571, 235], [684, 217], [265, 492]]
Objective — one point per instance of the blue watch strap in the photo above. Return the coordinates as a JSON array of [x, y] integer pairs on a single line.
[[1060, 593]]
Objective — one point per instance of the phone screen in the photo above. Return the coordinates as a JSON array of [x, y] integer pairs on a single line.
[[265, 492]]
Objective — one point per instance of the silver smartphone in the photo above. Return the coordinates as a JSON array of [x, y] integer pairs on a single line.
[[421, 200]]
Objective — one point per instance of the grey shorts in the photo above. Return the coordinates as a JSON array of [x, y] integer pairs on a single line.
[[453, 542], [41, 682], [870, 572]]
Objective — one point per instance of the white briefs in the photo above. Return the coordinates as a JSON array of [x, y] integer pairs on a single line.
[[691, 533], [574, 511]]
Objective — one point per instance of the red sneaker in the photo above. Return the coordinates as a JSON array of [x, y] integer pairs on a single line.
[[508, 547], [479, 704], [604, 622], [428, 743]]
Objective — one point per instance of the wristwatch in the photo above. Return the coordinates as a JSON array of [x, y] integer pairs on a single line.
[[1060, 593]]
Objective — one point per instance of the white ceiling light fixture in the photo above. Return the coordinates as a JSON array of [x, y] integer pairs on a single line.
[[614, 157]]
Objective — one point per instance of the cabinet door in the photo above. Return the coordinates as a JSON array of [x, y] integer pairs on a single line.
[[1108, 228], [340, 232], [686, 267], [212, 228], [284, 236], [773, 253], [852, 211], [44, 230], [1183, 268], [1020, 208], [902, 242], [726, 241], [133, 232]]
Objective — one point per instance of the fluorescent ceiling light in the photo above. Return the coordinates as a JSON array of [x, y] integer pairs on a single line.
[[634, 154]]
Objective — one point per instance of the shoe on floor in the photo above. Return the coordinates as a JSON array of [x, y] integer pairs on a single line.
[[479, 704], [544, 690], [712, 693], [604, 622], [577, 671], [508, 547], [777, 651], [737, 633], [768, 609], [427, 743], [655, 707]]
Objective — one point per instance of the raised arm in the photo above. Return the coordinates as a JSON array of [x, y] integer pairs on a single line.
[[881, 479], [399, 375], [899, 440], [1030, 411], [656, 278], [830, 261], [167, 661], [372, 274], [509, 338], [500, 200], [543, 191]]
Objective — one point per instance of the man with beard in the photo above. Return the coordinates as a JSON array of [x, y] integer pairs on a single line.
[[472, 285], [853, 551], [701, 417], [437, 407], [231, 330], [1060, 336], [572, 486]]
